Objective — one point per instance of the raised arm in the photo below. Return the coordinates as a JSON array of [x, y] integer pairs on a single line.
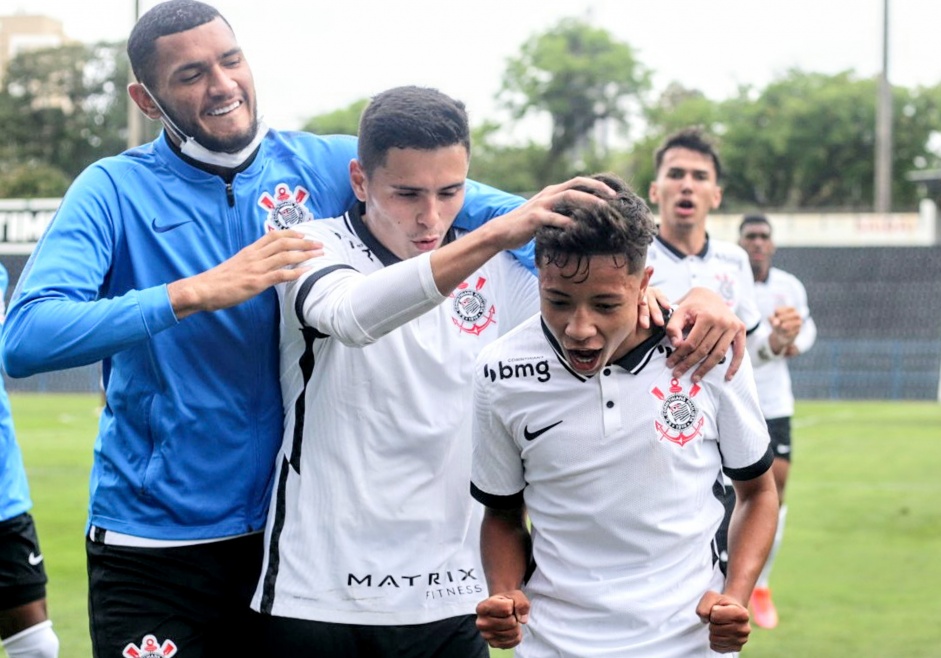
[[357, 309]]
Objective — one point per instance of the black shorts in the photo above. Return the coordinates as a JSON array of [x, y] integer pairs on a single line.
[[22, 566], [194, 597], [456, 637], [780, 431]]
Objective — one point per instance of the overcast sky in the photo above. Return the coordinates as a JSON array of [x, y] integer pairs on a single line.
[[310, 56]]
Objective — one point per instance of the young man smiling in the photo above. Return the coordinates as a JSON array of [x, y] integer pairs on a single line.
[[613, 458]]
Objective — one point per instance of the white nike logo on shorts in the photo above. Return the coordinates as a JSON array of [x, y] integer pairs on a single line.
[[34, 559]]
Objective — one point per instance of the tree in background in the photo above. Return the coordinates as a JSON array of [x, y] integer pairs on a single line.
[[34, 180], [677, 107], [582, 78], [806, 140], [61, 109], [512, 168], [344, 121]]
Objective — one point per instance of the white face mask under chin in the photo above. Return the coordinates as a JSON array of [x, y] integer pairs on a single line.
[[193, 149]]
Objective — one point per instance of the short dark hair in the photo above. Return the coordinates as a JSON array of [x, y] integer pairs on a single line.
[[623, 228], [693, 138], [748, 220], [164, 19], [410, 118]]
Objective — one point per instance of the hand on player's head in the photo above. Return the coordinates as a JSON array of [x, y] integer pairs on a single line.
[[547, 208]]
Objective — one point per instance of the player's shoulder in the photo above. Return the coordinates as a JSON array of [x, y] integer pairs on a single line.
[[728, 250], [660, 249], [317, 149], [526, 338], [715, 382], [776, 273]]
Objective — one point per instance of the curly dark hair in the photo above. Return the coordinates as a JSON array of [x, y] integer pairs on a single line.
[[622, 228]]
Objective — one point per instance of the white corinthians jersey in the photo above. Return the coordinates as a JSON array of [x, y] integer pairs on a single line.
[[618, 475], [371, 521], [721, 267], [773, 377]]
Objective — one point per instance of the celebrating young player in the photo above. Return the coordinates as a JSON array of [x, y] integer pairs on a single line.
[[580, 423]]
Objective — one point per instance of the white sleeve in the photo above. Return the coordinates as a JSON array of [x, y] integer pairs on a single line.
[[758, 339], [758, 344], [743, 433], [808, 332], [357, 309], [496, 466], [521, 290]]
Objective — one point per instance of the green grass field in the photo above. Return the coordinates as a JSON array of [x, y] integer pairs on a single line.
[[859, 575]]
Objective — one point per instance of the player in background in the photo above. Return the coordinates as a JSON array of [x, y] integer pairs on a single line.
[[686, 189], [25, 628], [781, 299], [614, 459]]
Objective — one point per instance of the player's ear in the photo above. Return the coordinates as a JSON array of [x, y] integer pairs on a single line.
[[716, 197], [358, 180], [644, 282], [143, 100], [653, 194]]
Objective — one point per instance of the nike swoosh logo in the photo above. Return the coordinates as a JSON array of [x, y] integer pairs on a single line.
[[529, 436], [34, 559], [163, 228]]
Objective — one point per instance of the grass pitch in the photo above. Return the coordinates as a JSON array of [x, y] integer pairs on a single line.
[[859, 574]]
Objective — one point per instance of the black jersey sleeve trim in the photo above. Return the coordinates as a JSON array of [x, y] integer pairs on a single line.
[[308, 284], [749, 332], [496, 502], [753, 471]]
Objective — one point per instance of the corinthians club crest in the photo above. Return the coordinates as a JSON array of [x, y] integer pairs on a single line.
[[285, 208], [149, 648], [679, 413], [474, 313]]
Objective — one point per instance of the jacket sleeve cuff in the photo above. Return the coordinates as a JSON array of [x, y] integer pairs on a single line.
[[156, 310]]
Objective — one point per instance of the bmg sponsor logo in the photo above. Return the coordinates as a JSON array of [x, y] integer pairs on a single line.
[[538, 369]]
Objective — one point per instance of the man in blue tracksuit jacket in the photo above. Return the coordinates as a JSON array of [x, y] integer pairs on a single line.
[[187, 440]]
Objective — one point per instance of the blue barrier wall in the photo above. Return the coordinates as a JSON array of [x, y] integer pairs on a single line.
[[878, 314]]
